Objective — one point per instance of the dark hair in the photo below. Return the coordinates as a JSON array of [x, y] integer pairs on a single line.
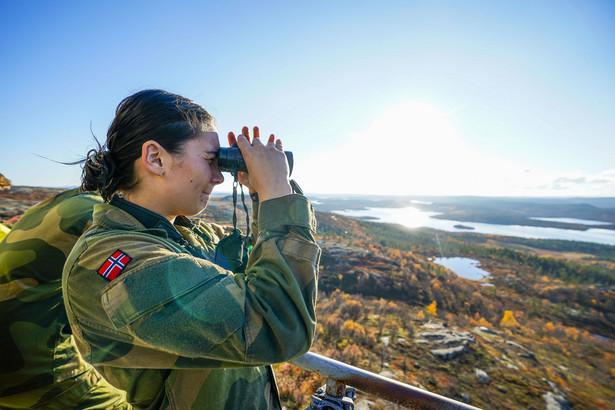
[[158, 115]]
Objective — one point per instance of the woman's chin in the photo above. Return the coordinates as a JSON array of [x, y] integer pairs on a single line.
[[202, 203]]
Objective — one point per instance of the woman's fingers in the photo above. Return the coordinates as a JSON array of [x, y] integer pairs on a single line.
[[246, 132], [242, 140], [267, 165], [231, 139]]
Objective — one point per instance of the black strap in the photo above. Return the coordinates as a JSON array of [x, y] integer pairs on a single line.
[[243, 201], [296, 188], [245, 208], [235, 183]]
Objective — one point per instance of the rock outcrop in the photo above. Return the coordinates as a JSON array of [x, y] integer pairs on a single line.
[[447, 343], [4, 183]]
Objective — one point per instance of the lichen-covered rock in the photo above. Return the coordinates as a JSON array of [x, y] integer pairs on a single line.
[[450, 353], [481, 375], [555, 401], [446, 337]]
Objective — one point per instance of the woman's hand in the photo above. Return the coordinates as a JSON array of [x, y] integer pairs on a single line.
[[267, 165], [243, 177]]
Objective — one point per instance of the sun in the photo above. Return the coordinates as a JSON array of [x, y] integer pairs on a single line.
[[409, 148], [424, 148], [418, 130]]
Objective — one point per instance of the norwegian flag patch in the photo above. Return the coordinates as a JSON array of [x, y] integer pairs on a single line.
[[114, 265]]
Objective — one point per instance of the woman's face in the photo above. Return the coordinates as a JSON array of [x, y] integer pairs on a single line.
[[192, 175]]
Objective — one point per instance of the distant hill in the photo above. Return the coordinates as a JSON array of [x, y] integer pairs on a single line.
[[15, 200]]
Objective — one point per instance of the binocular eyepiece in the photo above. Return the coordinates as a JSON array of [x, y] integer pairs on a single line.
[[231, 160]]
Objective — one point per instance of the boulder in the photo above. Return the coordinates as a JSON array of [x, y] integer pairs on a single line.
[[433, 326], [448, 337], [481, 375], [529, 356], [465, 397], [484, 329], [450, 353], [555, 401]]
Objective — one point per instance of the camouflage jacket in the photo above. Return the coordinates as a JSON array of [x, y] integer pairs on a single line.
[[40, 365], [159, 319], [4, 230]]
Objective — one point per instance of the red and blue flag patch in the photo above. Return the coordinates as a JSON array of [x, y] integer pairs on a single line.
[[114, 265]]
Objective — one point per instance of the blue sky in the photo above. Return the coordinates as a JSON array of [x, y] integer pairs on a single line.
[[406, 97]]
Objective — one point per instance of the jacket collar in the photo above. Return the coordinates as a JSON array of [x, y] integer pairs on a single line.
[[135, 217]]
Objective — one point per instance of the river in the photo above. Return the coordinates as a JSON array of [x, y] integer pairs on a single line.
[[415, 218]]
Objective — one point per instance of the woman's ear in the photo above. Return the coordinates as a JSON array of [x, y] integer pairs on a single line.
[[153, 157]]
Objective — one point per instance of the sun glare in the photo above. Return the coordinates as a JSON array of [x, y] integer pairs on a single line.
[[422, 144], [410, 148], [419, 132]]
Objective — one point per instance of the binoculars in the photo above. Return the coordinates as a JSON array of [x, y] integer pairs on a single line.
[[231, 160]]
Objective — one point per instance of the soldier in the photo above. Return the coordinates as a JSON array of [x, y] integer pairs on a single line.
[[40, 366], [148, 304]]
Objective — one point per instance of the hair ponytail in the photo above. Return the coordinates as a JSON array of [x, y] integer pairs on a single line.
[[97, 174]]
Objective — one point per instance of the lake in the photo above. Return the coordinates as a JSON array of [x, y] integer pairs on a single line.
[[463, 267], [415, 218]]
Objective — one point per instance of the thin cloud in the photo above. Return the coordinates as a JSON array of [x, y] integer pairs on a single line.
[[567, 180]]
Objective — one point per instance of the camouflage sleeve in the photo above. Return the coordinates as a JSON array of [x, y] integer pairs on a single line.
[[172, 310], [4, 230], [40, 365]]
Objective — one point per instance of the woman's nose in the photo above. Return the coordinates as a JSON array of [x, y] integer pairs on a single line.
[[217, 177]]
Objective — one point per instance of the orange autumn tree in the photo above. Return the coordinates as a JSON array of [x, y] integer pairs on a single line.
[[431, 309], [509, 319]]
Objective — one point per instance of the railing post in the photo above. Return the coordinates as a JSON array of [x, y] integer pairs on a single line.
[[335, 388]]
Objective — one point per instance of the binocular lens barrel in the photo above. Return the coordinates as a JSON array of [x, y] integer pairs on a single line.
[[230, 159]]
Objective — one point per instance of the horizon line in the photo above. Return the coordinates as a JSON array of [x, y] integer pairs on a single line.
[[321, 194]]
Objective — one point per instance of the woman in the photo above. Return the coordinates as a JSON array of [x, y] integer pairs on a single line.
[[147, 304]]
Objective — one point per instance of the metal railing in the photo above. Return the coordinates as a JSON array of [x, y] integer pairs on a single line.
[[339, 374]]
